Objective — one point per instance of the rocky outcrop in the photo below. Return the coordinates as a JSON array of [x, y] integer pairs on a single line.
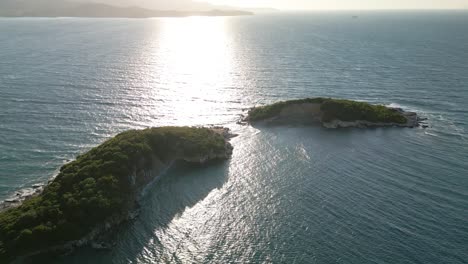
[[20, 196]]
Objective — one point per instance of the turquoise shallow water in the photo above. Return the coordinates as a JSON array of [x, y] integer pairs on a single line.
[[291, 194]]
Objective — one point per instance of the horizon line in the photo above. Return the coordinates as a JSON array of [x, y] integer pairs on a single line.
[[366, 9]]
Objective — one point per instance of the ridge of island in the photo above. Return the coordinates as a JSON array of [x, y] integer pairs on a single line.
[[332, 113], [101, 188]]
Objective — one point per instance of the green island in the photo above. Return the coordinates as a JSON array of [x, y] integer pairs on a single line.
[[100, 188], [333, 113]]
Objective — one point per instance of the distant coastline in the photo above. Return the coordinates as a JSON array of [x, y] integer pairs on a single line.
[[213, 13], [11, 8]]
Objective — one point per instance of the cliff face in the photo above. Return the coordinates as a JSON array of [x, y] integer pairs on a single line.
[[150, 168], [101, 188]]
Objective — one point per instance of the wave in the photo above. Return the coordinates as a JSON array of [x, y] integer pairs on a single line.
[[406, 108], [440, 124], [394, 105]]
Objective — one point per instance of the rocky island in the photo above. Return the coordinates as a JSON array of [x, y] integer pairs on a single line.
[[101, 188], [332, 113]]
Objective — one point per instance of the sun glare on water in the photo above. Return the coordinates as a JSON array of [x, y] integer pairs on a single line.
[[194, 62]]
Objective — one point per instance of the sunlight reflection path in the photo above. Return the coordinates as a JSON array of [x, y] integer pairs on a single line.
[[193, 62]]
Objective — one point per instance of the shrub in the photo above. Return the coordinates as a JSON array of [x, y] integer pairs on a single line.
[[346, 110]]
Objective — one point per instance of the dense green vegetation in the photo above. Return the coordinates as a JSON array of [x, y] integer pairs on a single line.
[[344, 110], [95, 186], [272, 110]]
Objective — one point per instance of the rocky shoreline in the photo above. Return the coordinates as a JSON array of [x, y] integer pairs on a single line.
[[21, 196]]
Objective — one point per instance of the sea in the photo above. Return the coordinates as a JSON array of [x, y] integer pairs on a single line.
[[290, 193]]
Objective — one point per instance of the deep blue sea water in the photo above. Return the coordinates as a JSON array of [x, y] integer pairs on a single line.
[[290, 194]]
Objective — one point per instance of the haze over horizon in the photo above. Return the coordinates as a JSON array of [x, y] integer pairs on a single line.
[[207, 5], [347, 4], [298, 4], [289, 4]]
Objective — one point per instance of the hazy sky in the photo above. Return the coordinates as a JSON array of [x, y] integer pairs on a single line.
[[348, 4]]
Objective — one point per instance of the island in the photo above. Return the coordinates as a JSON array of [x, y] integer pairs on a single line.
[[101, 188], [62, 8], [332, 113]]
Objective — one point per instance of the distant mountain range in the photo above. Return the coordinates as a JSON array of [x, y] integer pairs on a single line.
[[178, 5], [61, 8]]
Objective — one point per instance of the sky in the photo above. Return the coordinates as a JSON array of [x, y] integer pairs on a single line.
[[347, 4]]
